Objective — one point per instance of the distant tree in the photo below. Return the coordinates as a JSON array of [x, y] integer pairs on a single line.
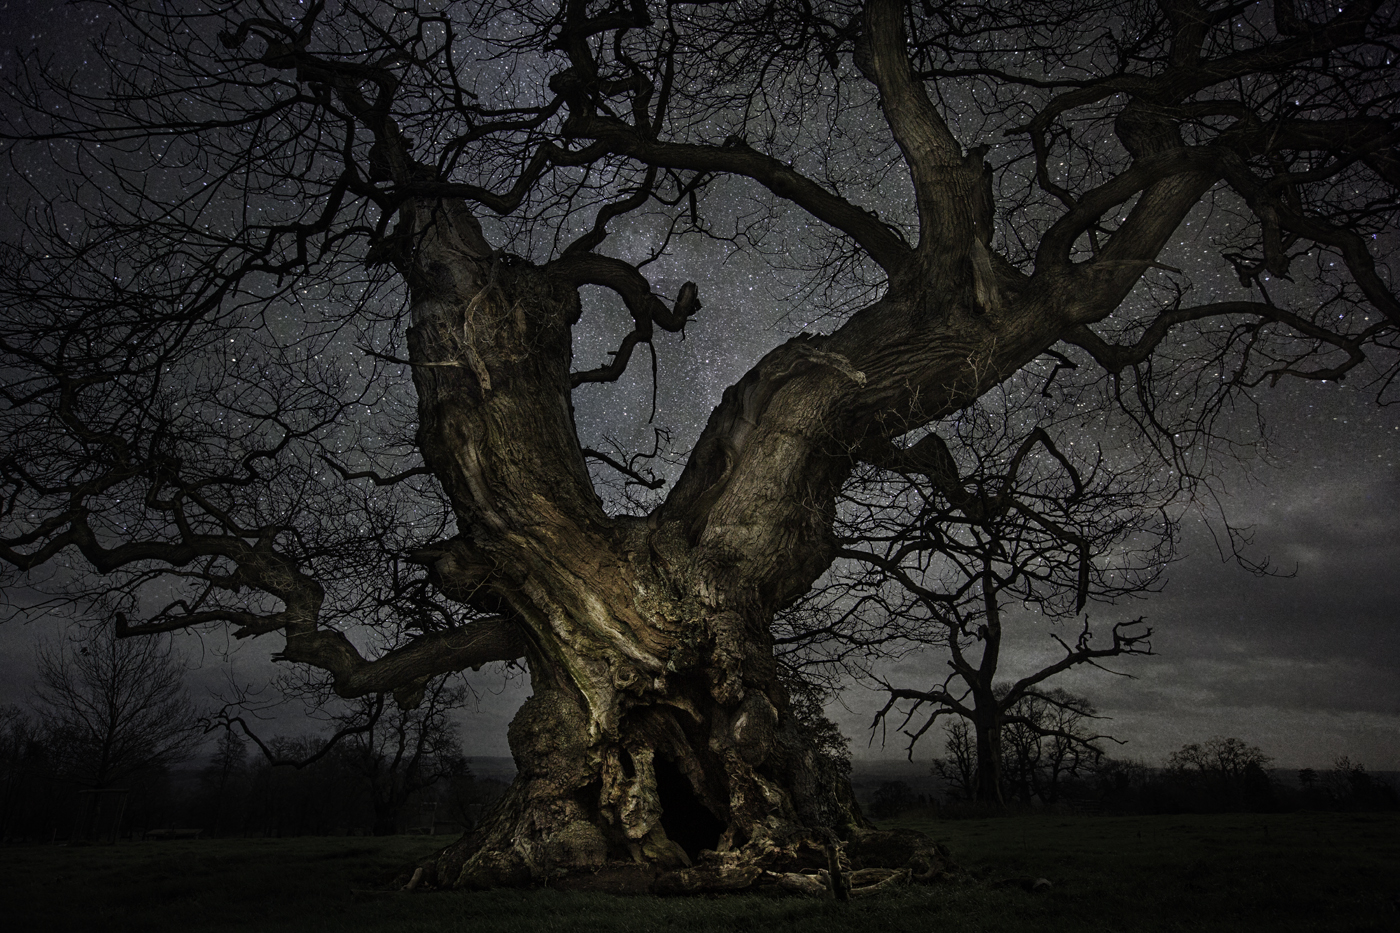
[[1227, 757], [1122, 784], [892, 798], [1046, 743], [380, 756], [463, 798], [956, 543], [403, 752], [111, 707], [1352, 787], [827, 770], [1257, 790], [1043, 743], [300, 788], [19, 736], [1314, 794], [225, 774], [1222, 774], [958, 768], [25, 769]]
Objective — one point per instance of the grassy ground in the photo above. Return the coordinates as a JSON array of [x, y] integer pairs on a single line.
[[1313, 872]]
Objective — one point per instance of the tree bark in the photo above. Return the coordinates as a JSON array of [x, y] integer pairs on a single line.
[[651, 701], [988, 780], [658, 728]]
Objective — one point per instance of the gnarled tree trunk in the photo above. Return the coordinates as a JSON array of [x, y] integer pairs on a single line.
[[658, 727]]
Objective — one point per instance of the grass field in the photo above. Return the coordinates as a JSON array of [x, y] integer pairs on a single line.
[[1305, 871]]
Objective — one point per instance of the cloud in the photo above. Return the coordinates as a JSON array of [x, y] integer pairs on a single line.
[[1240, 679]]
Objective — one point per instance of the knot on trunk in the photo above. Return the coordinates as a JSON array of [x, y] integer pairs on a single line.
[[549, 739], [754, 728], [626, 677]]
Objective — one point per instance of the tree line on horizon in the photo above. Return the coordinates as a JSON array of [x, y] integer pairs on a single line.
[[235, 793], [97, 754], [1061, 767]]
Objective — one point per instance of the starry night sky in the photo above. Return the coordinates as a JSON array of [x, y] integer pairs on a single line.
[[1305, 664]]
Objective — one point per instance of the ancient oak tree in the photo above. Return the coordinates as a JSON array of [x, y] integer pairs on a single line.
[[292, 291]]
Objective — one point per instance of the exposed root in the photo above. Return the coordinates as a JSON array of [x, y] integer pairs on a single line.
[[869, 863]]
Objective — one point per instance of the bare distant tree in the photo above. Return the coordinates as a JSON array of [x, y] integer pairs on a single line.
[[403, 752], [24, 761], [958, 767], [18, 735], [111, 707], [1228, 758], [300, 787], [959, 542], [386, 752], [1349, 786], [1048, 739], [1222, 773], [892, 798], [222, 776], [1043, 742]]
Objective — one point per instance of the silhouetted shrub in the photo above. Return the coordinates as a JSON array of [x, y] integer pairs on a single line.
[[892, 798]]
